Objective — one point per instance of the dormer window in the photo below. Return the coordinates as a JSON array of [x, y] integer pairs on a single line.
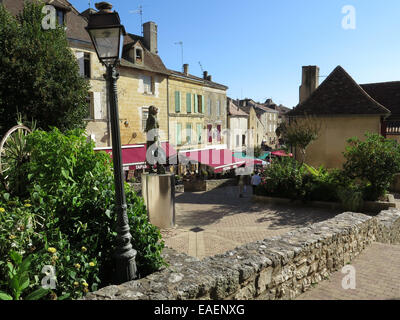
[[60, 17], [138, 55]]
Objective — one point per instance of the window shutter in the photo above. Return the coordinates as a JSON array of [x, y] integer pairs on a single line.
[[178, 134], [199, 133], [196, 103], [80, 56], [97, 112], [188, 103], [189, 133], [177, 101]]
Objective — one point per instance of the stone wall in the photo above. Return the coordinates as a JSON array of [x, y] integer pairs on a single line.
[[276, 268], [208, 185]]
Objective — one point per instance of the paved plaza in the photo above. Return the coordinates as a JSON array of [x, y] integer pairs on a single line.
[[216, 221]]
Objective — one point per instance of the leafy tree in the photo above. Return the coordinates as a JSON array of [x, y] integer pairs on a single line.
[[39, 75], [300, 133], [374, 162]]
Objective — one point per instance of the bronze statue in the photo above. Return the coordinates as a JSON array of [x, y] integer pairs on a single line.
[[153, 143]]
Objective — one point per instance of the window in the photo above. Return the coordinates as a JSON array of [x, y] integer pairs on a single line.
[[209, 133], [201, 103], [95, 105], [178, 134], [196, 103], [189, 133], [138, 55], [199, 133], [237, 140], [86, 65], [148, 84], [243, 139], [177, 101], [218, 108], [60, 17], [145, 115], [188, 103], [219, 133], [209, 106]]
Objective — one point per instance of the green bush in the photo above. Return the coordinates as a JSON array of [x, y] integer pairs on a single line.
[[373, 163], [71, 201], [321, 184], [283, 178]]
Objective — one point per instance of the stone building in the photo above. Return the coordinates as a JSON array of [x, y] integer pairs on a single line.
[[343, 109], [269, 121], [238, 121], [197, 113]]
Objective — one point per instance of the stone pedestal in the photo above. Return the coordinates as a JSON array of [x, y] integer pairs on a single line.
[[158, 191]]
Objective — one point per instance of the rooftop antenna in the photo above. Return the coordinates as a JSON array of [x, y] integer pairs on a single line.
[[201, 67], [181, 44], [139, 11]]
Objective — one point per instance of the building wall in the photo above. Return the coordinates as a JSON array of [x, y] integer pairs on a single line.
[[272, 122], [194, 119], [237, 127], [133, 100], [328, 149], [97, 123], [256, 130]]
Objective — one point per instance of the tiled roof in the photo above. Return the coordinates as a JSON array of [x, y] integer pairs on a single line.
[[386, 93], [151, 61], [75, 23], [234, 110], [339, 94], [192, 77]]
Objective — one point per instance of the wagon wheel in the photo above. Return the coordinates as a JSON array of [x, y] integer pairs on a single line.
[[13, 152]]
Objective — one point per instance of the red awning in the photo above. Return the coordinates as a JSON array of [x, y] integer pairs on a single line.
[[281, 153], [134, 156], [219, 160]]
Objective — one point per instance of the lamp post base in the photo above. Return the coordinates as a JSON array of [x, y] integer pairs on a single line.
[[125, 267]]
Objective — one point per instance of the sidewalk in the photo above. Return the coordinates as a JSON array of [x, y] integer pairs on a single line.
[[377, 277]]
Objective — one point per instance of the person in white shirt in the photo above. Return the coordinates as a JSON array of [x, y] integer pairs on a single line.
[[255, 181]]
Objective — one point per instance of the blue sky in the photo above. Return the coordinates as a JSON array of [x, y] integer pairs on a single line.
[[257, 47]]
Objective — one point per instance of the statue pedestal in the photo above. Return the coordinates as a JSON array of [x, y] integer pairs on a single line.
[[158, 191]]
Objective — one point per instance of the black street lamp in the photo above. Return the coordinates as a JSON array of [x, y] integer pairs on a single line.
[[105, 30]]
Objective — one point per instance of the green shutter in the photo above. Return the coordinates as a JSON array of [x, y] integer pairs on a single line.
[[177, 101], [188, 103], [178, 134], [196, 103], [189, 133], [202, 105], [199, 133]]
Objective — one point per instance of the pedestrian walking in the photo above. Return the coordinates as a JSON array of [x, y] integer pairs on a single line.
[[255, 181]]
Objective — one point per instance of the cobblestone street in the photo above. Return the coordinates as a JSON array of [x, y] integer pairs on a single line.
[[213, 222]]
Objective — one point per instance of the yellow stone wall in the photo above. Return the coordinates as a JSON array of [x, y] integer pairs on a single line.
[[328, 149], [97, 127], [184, 118], [132, 99]]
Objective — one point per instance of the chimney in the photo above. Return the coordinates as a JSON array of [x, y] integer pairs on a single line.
[[209, 78], [150, 36], [310, 82], [205, 75], [186, 69]]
